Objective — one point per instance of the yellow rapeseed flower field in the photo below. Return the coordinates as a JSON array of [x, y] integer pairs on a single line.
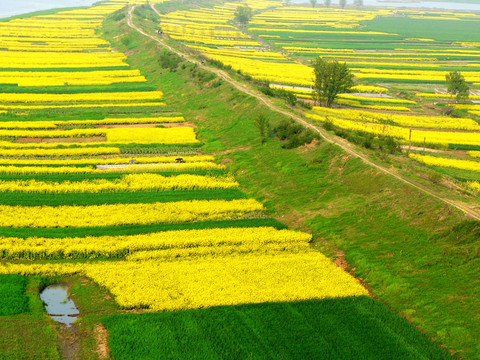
[[131, 182], [126, 214], [447, 162], [171, 243], [206, 282]]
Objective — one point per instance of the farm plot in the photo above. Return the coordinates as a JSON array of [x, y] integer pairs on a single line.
[[68, 181], [311, 329], [374, 52], [453, 136], [379, 45], [419, 129], [209, 31]]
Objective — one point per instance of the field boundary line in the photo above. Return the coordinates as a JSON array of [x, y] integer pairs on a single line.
[[342, 144]]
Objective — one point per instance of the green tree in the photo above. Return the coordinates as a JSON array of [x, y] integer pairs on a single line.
[[313, 3], [457, 85], [243, 14], [263, 125], [331, 78], [327, 3], [343, 3]]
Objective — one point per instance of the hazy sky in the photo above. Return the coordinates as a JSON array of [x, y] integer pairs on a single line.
[[448, 5], [16, 7]]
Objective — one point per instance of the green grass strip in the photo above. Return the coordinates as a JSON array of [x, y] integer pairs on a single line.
[[94, 115], [85, 199], [341, 328], [459, 174], [108, 176], [13, 299], [463, 147], [134, 229]]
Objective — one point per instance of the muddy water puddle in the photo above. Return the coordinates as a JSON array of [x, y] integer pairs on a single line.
[[58, 305]]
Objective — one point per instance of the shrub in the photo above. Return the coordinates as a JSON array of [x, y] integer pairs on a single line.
[[169, 60], [289, 97], [294, 135]]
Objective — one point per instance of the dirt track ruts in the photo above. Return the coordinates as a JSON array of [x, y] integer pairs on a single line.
[[347, 147]]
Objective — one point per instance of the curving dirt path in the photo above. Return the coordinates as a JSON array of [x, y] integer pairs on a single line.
[[346, 146]]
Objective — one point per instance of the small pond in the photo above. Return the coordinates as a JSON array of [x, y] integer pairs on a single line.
[[58, 305]]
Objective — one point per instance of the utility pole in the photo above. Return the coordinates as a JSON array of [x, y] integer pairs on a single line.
[[410, 141]]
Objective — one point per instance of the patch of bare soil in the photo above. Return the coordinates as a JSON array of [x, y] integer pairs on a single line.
[[461, 153], [295, 219], [101, 337], [340, 259], [182, 124], [63, 140], [228, 151], [29, 140], [311, 145], [69, 339]]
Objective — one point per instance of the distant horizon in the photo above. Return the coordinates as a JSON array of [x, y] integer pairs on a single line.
[[21, 7], [431, 4]]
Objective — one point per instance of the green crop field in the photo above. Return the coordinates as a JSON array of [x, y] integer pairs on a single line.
[[333, 329], [13, 299]]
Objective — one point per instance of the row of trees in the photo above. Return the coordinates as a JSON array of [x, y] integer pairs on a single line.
[[244, 13], [328, 3], [333, 78]]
